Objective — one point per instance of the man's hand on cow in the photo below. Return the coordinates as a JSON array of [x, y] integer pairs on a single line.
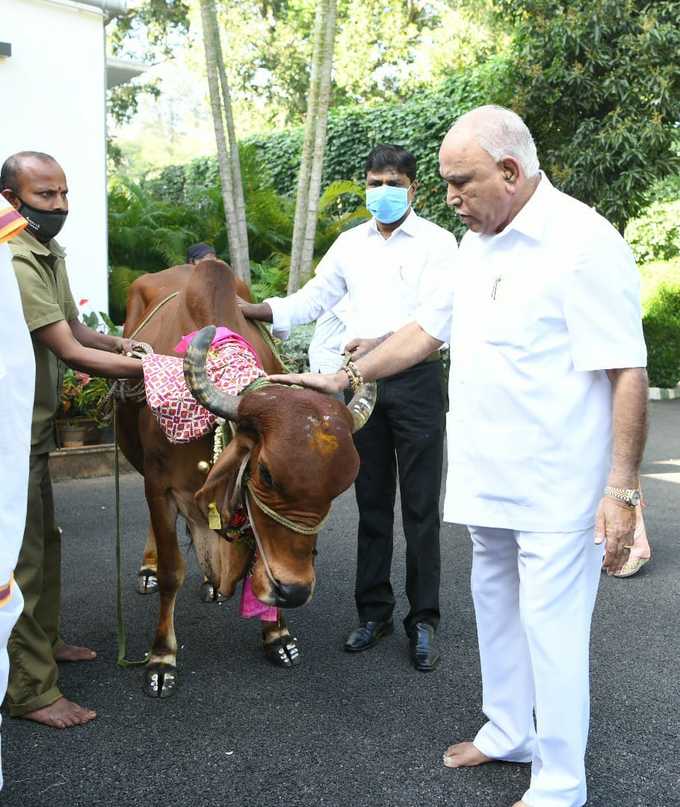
[[360, 347], [330, 383], [259, 311], [615, 526], [126, 347]]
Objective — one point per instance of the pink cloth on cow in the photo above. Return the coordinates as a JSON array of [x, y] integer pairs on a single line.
[[222, 336], [251, 606], [231, 368]]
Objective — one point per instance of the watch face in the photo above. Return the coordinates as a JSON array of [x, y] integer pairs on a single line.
[[635, 498]]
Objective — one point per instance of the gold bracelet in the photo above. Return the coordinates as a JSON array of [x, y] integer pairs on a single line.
[[356, 380]]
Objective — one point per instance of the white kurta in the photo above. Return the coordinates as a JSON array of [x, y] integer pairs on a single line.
[[389, 282], [17, 377], [540, 311]]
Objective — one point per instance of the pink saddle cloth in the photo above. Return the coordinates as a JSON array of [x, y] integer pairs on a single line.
[[231, 365]]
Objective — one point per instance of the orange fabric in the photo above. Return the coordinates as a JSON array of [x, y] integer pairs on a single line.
[[6, 592], [11, 222]]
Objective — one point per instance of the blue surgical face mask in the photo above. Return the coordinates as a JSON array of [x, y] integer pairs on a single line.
[[387, 202]]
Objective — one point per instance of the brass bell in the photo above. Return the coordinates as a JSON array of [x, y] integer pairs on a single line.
[[204, 467]]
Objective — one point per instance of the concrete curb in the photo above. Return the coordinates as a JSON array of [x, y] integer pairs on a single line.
[[87, 462], [663, 394]]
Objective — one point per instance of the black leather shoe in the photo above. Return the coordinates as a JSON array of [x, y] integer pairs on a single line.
[[424, 655], [368, 634]]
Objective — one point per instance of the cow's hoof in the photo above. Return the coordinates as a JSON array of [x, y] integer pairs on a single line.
[[283, 652], [147, 581], [160, 680], [210, 594]]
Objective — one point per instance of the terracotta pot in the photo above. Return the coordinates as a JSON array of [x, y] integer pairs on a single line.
[[77, 432]]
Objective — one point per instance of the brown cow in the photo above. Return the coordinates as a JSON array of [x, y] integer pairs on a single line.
[[295, 445]]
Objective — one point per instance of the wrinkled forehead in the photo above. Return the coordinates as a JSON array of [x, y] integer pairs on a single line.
[[460, 152], [36, 173]]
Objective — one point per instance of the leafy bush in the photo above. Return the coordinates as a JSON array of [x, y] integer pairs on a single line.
[[655, 274], [418, 124], [269, 279], [151, 224], [294, 351], [661, 325], [655, 236], [81, 395], [120, 278]]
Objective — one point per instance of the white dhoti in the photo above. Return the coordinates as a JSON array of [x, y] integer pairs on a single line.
[[9, 613], [17, 376], [534, 594]]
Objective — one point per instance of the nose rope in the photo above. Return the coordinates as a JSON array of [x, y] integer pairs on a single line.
[[285, 522], [246, 492]]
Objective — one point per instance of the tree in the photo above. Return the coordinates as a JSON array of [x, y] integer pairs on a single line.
[[152, 23], [314, 144], [227, 146], [385, 49], [598, 83]]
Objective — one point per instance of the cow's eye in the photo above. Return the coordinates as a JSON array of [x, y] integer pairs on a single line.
[[265, 476]]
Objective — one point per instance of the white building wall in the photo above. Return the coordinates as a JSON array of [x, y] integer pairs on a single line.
[[52, 90]]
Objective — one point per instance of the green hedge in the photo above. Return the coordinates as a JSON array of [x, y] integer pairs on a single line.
[[418, 124], [655, 235], [661, 326]]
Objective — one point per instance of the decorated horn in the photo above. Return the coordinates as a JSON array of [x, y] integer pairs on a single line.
[[206, 393], [362, 404]]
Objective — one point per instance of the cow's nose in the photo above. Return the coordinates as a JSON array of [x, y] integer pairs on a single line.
[[292, 595]]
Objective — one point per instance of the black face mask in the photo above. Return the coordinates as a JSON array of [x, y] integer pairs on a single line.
[[43, 224]]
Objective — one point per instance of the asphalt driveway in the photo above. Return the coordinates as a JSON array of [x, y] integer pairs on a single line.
[[341, 730]]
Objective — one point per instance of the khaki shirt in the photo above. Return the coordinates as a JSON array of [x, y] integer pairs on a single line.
[[46, 298]]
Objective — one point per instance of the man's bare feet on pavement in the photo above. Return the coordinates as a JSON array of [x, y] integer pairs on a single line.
[[71, 652], [61, 714], [464, 755]]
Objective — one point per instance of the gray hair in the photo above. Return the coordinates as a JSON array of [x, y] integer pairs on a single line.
[[502, 133]]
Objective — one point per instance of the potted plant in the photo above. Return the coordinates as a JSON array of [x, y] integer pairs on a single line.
[[77, 420]]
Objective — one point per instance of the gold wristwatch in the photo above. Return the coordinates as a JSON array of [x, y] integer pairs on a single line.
[[628, 496]]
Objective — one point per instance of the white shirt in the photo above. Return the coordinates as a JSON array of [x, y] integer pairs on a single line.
[[529, 431], [390, 282], [17, 378], [329, 339]]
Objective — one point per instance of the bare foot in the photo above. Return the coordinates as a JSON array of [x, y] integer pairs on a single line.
[[71, 652], [464, 755], [61, 714]]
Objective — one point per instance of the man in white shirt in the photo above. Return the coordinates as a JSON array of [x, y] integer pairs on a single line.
[[394, 269], [329, 339], [17, 376], [546, 432]]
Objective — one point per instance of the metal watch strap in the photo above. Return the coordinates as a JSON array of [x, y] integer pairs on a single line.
[[624, 495]]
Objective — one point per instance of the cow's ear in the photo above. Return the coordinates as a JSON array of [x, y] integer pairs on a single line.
[[218, 487]]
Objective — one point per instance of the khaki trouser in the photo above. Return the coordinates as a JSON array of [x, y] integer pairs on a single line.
[[33, 670]]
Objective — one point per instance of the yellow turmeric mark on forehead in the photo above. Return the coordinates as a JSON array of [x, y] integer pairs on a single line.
[[323, 442]]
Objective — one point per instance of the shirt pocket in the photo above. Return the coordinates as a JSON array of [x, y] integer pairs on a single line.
[[497, 461]]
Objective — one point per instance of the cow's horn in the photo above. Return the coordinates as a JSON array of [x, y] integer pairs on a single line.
[[362, 404], [206, 393]]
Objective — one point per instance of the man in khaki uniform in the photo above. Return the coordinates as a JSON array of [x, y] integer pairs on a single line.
[[35, 184]]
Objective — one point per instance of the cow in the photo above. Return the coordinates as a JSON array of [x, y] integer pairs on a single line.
[[291, 454]]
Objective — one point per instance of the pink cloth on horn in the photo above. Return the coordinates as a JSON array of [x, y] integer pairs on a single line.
[[230, 367]]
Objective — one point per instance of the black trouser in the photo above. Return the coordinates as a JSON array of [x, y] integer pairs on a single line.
[[405, 432]]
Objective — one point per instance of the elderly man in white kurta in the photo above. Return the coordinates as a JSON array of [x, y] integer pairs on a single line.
[[17, 376], [545, 434]]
